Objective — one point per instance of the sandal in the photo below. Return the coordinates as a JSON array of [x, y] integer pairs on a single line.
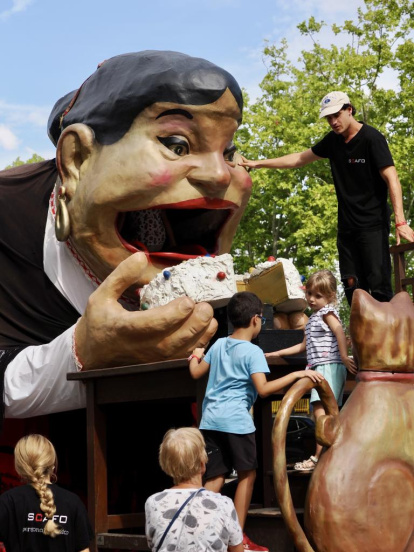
[[306, 465]]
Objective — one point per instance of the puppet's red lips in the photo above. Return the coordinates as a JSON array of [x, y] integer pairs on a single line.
[[173, 233]]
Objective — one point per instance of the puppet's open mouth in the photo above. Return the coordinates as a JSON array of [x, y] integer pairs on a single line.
[[172, 234]]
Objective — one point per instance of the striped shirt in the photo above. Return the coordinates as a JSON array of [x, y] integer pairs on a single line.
[[321, 343]]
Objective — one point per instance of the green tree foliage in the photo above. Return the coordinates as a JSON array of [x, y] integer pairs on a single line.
[[33, 159], [292, 213]]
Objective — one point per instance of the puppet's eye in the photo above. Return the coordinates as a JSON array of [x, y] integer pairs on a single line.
[[177, 145], [229, 154]]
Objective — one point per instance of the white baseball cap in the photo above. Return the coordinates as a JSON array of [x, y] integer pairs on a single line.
[[332, 103]]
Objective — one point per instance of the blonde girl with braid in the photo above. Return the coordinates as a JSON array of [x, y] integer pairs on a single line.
[[35, 461], [40, 516]]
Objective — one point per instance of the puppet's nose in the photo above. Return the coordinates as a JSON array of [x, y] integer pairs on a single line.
[[212, 173]]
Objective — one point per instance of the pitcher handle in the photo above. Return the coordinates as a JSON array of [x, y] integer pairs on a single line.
[[280, 479]]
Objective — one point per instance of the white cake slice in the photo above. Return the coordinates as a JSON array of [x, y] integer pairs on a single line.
[[209, 279]]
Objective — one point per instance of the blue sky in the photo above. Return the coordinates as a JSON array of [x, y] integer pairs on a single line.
[[49, 47]]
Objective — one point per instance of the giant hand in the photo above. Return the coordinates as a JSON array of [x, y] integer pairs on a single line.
[[109, 335]]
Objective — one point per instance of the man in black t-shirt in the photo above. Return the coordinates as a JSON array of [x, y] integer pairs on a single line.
[[363, 172]]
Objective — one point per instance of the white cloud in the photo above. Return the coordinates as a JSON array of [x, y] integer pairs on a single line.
[[290, 14], [19, 114], [322, 9], [249, 66], [8, 140], [17, 6], [23, 132]]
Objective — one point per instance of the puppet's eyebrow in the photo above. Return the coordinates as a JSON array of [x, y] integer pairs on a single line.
[[175, 112], [231, 149]]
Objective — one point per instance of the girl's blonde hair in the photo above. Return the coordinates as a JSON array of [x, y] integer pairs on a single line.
[[35, 462], [324, 282], [182, 453]]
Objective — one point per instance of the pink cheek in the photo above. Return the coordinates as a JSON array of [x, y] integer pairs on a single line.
[[161, 179], [246, 182]]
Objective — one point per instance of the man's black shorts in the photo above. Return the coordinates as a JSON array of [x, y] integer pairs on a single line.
[[228, 451]]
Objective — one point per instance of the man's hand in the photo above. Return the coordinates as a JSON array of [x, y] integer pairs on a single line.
[[248, 164], [404, 232], [108, 335]]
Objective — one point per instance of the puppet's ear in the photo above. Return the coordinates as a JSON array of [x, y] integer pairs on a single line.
[[75, 146], [383, 333]]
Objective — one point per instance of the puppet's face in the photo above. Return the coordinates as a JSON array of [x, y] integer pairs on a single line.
[[170, 187]]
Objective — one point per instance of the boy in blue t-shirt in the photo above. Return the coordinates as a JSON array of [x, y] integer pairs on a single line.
[[237, 376]]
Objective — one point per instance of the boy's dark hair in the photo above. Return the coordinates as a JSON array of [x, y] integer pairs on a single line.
[[242, 307]]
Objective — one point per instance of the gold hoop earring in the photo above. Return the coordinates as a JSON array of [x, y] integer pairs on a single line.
[[62, 221]]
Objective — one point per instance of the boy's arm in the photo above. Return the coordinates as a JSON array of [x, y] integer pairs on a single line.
[[294, 350], [339, 333], [198, 366], [266, 388], [290, 161]]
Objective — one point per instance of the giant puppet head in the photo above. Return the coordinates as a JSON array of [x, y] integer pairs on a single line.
[[146, 158]]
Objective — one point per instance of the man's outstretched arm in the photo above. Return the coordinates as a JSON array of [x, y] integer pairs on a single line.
[[290, 161]]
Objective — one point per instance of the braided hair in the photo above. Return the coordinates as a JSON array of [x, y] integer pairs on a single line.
[[35, 461]]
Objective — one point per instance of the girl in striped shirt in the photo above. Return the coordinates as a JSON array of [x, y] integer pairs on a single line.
[[325, 345]]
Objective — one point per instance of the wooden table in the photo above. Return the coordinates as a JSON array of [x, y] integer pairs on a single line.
[[164, 381], [144, 382]]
